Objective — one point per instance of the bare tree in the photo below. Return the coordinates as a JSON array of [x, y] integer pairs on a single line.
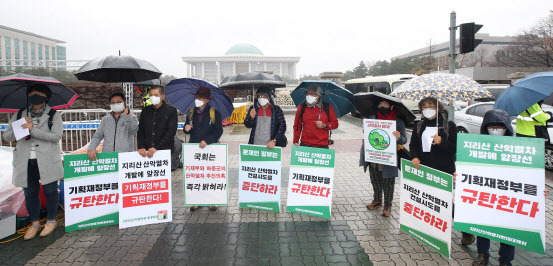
[[534, 47]]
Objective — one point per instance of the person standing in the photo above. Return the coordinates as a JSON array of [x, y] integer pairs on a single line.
[[266, 120], [532, 122], [158, 124], [314, 119], [383, 177], [37, 158], [117, 129], [204, 124]]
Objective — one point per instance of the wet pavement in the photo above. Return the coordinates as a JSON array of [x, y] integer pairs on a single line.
[[236, 236]]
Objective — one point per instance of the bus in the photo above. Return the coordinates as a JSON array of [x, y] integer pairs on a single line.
[[383, 84]]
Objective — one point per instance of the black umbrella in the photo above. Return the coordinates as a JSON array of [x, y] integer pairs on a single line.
[[118, 69], [151, 82], [13, 92], [249, 80], [366, 104]]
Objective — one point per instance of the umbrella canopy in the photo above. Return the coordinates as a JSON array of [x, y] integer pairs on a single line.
[[13, 92], [340, 98], [118, 69], [525, 93], [251, 80], [444, 87], [366, 103], [180, 93]]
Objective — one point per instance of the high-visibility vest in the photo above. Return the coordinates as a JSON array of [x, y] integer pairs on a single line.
[[529, 119]]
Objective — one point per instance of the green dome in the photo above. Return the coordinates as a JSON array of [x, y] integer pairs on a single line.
[[243, 48]]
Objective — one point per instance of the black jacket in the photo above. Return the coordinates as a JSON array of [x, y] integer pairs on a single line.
[[496, 116], [210, 133], [442, 156], [278, 123], [157, 127]]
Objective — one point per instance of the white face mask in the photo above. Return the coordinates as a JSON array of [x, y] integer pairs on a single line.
[[262, 101], [310, 99], [155, 100], [429, 113], [198, 103], [117, 107], [497, 131]]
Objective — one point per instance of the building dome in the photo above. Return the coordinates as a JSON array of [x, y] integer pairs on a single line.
[[243, 49]]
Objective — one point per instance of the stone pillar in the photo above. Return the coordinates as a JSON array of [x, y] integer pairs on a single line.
[[250, 67], [234, 68], [264, 66], [333, 76], [203, 71], [188, 69], [280, 69]]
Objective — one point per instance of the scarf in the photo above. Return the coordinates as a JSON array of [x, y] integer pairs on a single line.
[[390, 116]]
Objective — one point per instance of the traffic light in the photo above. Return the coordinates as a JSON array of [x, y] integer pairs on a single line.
[[467, 42]]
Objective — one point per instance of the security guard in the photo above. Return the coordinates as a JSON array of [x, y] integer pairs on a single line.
[[531, 118]]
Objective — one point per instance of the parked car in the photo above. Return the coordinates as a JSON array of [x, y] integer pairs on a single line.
[[470, 118]]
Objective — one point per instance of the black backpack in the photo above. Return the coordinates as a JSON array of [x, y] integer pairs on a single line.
[[326, 108], [51, 114]]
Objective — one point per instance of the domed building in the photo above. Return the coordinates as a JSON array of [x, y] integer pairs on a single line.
[[239, 59]]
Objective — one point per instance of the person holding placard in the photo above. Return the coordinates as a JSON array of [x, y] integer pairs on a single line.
[[383, 177], [314, 120], [158, 124], [117, 129], [204, 124], [266, 120], [37, 159]]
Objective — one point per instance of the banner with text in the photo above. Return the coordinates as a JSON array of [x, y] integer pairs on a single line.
[[499, 189], [380, 143], [145, 189], [91, 191], [311, 180], [260, 177], [425, 201], [205, 174]]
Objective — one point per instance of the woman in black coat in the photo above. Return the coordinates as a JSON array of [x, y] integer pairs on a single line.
[[434, 150]]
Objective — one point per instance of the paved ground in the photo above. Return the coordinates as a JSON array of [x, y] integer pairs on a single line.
[[231, 235]]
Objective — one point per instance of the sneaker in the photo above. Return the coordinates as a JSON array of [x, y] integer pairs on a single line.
[[481, 260], [375, 204], [213, 208], [387, 211], [193, 208], [48, 228], [466, 238], [31, 232]]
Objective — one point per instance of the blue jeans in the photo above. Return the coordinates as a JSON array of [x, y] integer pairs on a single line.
[[506, 252], [32, 194]]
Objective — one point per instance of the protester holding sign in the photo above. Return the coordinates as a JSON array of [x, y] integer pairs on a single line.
[[383, 177], [204, 124], [158, 125], [496, 123], [37, 159], [266, 120], [434, 146], [314, 119], [117, 129]]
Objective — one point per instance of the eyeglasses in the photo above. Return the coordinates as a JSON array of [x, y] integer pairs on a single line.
[[311, 94]]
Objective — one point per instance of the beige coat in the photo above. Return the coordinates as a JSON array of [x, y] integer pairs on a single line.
[[47, 150]]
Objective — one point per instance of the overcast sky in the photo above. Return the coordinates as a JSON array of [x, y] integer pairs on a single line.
[[327, 35]]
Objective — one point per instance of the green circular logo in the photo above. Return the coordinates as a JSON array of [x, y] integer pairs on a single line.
[[379, 139]]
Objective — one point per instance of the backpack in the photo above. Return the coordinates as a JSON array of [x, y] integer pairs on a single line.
[[326, 108], [51, 114], [211, 115]]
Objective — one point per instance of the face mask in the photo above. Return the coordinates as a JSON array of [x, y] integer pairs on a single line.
[[37, 99], [429, 113], [198, 103], [262, 101], [497, 131], [155, 100], [310, 99], [384, 110], [117, 107]]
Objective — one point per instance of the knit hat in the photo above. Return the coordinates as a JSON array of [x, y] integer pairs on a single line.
[[314, 89]]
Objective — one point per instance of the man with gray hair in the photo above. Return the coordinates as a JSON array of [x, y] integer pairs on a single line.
[[314, 120]]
